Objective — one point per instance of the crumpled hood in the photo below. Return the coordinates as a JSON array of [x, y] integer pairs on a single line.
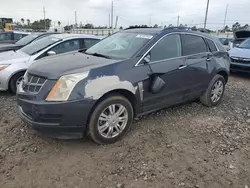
[[239, 52], [11, 57], [54, 67]]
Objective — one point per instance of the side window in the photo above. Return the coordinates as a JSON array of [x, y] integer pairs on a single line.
[[90, 42], [17, 36], [211, 45], [67, 46], [193, 44], [168, 47], [5, 36]]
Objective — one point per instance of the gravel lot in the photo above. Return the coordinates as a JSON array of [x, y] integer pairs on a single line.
[[185, 146]]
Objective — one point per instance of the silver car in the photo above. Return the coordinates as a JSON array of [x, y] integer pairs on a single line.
[[13, 64], [240, 57]]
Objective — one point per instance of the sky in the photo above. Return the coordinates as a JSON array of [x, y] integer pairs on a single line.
[[130, 12]]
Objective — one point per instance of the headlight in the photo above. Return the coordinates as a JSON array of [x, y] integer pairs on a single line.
[[64, 86], [3, 67]]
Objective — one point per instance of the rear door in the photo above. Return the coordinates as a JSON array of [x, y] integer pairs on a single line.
[[197, 56]]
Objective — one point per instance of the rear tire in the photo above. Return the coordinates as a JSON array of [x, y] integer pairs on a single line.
[[214, 92], [14, 81], [102, 122]]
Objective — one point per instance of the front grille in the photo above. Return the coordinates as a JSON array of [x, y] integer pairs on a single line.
[[33, 83], [240, 60]]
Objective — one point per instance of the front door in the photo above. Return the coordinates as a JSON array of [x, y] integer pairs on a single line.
[[166, 63]]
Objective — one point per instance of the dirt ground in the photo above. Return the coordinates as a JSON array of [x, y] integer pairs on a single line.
[[185, 146]]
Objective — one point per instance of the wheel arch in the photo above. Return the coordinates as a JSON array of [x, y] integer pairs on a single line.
[[13, 74], [223, 73], [123, 92]]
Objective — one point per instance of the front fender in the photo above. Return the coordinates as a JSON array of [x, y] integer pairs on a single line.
[[98, 87]]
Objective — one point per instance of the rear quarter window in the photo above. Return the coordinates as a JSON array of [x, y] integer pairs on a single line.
[[211, 45]]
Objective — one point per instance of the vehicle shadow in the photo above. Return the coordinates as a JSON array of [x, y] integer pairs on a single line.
[[6, 94], [240, 75]]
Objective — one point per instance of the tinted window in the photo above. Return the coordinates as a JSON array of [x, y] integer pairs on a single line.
[[17, 36], [90, 42], [211, 45], [5, 36], [168, 47], [193, 45], [67, 46]]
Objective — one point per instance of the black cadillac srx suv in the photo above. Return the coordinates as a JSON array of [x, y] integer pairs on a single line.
[[98, 92]]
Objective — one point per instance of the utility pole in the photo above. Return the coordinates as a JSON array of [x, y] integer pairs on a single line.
[[224, 24], [150, 20], [75, 18], [112, 14], [178, 20], [116, 21], [205, 23], [44, 18], [109, 21]]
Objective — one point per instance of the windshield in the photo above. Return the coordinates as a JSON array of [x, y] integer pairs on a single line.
[[39, 45], [26, 40], [122, 45], [245, 44]]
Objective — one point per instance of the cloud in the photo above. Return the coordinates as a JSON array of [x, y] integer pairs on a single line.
[[130, 12]]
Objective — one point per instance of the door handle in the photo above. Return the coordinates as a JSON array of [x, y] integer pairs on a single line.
[[182, 67]]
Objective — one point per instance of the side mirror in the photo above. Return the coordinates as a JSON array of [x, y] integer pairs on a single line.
[[51, 53], [236, 45], [147, 58]]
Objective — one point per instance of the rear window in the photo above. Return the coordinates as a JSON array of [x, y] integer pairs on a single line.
[[211, 45], [193, 45]]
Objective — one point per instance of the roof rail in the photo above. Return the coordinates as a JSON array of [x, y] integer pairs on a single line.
[[136, 28], [178, 27], [188, 28]]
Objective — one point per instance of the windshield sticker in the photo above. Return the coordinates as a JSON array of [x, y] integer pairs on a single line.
[[144, 36]]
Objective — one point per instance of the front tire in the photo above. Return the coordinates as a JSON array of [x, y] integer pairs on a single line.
[[15, 81], [110, 120], [214, 92]]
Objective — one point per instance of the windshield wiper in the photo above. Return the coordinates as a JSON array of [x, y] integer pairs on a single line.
[[98, 55]]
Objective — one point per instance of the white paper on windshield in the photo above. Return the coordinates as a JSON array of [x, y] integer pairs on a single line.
[[144, 36]]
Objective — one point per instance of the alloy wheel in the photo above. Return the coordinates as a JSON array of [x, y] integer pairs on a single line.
[[217, 91], [112, 121]]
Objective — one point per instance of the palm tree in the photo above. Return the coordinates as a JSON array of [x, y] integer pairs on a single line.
[[59, 23], [28, 22], [22, 20]]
